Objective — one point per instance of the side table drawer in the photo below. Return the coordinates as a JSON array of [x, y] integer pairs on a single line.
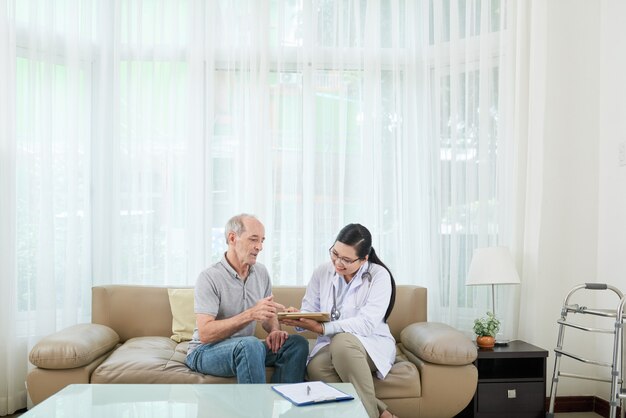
[[513, 396]]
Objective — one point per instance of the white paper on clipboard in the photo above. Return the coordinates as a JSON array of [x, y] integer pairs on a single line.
[[308, 393]]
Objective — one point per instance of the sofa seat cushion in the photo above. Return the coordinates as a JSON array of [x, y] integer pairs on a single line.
[[150, 360], [402, 381]]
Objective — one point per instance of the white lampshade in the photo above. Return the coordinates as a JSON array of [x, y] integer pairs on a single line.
[[493, 265]]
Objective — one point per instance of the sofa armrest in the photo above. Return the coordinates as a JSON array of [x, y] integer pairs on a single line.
[[438, 343], [73, 347]]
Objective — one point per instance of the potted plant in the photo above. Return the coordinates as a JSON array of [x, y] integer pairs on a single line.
[[486, 330]]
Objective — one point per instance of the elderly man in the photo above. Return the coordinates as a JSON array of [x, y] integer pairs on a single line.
[[230, 296]]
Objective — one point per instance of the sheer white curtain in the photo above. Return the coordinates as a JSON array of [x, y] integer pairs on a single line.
[[12, 350], [132, 130], [472, 91]]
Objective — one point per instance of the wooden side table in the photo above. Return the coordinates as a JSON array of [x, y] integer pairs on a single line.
[[511, 382]]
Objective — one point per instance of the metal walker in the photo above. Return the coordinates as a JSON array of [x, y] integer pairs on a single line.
[[616, 379]]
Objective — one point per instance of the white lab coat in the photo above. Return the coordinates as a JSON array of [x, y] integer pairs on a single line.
[[359, 316]]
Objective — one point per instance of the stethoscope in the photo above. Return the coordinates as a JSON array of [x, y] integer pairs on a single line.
[[336, 313]]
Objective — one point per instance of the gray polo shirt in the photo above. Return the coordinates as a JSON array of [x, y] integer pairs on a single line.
[[221, 293]]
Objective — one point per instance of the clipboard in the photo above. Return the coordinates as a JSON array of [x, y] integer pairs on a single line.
[[317, 316], [311, 393]]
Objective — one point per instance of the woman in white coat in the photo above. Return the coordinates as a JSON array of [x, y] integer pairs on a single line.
[[358, 290]]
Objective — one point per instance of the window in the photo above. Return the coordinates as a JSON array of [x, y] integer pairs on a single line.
[[143, 127]]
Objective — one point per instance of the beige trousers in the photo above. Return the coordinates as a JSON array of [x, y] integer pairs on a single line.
[[345, 360]]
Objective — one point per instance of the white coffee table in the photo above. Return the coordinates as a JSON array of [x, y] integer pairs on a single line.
[[182, 401]]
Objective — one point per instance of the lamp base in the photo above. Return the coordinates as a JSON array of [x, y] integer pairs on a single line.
[[501, 343]]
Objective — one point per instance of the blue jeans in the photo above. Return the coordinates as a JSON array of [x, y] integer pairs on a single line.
[[247, 357]]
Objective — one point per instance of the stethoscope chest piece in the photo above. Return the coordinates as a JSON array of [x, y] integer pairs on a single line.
[[334, 312]]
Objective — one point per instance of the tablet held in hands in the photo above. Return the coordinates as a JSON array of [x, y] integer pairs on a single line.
[[316, 316]]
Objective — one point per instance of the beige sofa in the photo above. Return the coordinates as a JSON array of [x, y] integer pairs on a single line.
[[130, 341]]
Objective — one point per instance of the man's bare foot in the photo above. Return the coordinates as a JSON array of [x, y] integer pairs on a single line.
[[387, 414]]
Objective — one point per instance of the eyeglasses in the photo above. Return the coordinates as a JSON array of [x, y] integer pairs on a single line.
[[342, 260]]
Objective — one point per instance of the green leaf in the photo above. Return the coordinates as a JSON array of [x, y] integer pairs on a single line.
[[489, 325]]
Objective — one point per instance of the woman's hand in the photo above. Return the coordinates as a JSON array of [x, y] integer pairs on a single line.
[[308, 324]]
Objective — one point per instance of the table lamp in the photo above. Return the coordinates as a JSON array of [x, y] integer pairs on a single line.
[[492, 266]]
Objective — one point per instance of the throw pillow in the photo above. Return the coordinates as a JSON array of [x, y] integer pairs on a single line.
[[183, 315]]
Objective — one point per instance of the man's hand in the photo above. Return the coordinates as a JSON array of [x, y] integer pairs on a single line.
[[276, 339], [265, 309]]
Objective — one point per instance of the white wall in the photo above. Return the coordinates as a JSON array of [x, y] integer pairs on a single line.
[[611, 176], [568, 238], [582, 236]]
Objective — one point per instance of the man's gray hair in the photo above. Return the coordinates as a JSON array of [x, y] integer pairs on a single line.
[[235, 224]]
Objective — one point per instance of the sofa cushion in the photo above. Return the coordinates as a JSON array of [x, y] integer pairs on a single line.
[[402, 381], [438, 343], [74, 346], [183, 315], [150, 360]]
